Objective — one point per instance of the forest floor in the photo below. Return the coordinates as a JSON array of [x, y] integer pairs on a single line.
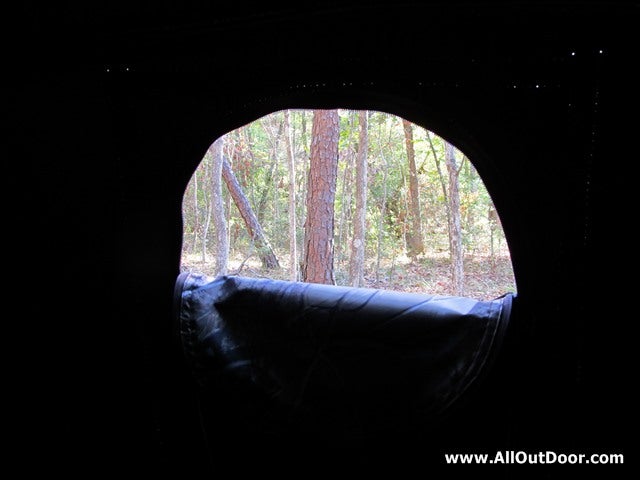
[[485, 278]]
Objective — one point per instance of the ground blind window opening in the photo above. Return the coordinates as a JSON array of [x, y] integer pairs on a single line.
[[357, 198]]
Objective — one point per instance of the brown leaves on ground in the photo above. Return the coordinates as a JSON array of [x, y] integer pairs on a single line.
[[485, 277]]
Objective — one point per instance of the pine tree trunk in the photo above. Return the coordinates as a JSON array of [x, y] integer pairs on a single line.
[[321, 190], [414, 237], [219, 215], [265, 252], [455, 231], [359, 227]]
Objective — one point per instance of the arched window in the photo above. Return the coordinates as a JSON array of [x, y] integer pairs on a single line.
[[392, 205]]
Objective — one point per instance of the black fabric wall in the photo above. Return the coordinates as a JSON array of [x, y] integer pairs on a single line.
[[115, 106]]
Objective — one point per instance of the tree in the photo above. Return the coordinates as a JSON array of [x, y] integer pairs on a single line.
[[415, 244], [494, 223], [443, 185], [258, 238], [217, 210], [293, 243], [344, 190], [383, 204], [196, 213], [455, 231], [317, 266], [209, 203], [359, 223], [273, 130], [347, 183]]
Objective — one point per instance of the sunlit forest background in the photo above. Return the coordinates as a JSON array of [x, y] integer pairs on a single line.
[[426, 220]]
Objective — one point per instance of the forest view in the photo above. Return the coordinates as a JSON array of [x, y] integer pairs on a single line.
[[344, 197]]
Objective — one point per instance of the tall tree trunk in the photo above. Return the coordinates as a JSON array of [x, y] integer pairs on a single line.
[[383, 203], [443, 184], [196, 213], [209, 203], [265, 252], [492, 215], [359, 227], [348, 158], [414, 238], [321, 191], [219, 215], [342, 235], [293, 243], [470, 218], [248, 142], [403, 212], [303, 171], [455, 231]]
